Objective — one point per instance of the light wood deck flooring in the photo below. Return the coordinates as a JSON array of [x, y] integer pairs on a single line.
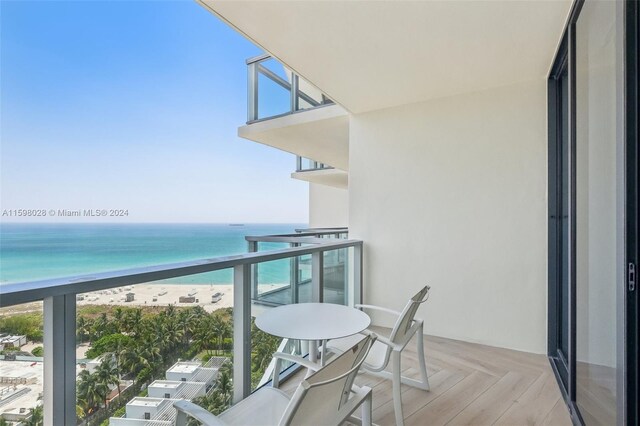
[[471, 384]]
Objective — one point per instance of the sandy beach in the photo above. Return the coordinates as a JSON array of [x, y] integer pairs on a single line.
[[162, 295], [165, 294], [148, 294]]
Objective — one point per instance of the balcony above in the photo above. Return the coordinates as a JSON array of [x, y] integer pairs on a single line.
[[314, 172], [321, 133]]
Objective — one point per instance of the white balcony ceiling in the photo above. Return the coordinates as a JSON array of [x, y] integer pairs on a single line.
[[368, 55]]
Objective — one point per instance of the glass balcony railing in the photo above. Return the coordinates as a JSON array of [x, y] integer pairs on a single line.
[[274, 90], [122, 362], [305, 165]]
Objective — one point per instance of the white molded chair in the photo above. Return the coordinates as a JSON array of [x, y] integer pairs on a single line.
[[390, 348], [327, 397]]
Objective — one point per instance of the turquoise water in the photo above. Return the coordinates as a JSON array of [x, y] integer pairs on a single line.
[[40, 251]]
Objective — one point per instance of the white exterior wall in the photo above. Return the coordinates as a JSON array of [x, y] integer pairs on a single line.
[[452, 193], [195, 389], [328, 206], [136, 408]]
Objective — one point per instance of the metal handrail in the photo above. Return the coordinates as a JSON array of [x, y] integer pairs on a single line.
[[322, 230], [31, 291], [258, 58], [302, 236]]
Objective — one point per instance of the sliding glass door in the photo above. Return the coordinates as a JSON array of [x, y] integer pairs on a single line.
[[559, 199], [597, 215], [593, 213]]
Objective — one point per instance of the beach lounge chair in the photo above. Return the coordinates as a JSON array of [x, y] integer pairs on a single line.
[[326, 397], [389, 349]]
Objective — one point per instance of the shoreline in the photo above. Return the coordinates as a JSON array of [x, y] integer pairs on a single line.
[[144, 295]]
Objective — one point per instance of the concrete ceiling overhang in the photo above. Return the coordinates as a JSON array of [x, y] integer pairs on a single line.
[[369, 55], [330, 177], [321, 134]]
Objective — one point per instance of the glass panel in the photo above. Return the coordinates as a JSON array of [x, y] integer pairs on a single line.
[[276, 283], [310, 97], [563, 159], [303, 266], [336, 276], [273, 97], [272, 281], [132, 343], [21, 362], [596, 212]]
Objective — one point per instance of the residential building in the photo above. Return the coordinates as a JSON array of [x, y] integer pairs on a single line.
[[192, 371], [488, 149], [184, 380], [140, 408]]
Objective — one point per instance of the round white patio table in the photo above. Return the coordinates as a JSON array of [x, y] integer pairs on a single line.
[[313, 322]]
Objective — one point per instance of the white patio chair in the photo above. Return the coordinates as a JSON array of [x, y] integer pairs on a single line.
[[327, 397], [390, 348]]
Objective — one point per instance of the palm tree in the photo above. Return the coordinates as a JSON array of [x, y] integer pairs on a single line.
[[79, 412], [262, 355], [204, 336], [107, 375], [221, 330], [118, 316], [90, 392], [101, 326], [224, 383], [36, 418], [132, 360], [132, 320], [82, 327]]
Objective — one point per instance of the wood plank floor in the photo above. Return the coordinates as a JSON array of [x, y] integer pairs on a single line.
[[471, 384]]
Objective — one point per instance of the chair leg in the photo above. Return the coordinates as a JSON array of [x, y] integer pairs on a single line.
[[421, 360], [367, 410], [397, 387], [275, 379]]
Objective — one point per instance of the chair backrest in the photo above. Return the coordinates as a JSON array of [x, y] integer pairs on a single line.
[[319, 398], [405, 320]]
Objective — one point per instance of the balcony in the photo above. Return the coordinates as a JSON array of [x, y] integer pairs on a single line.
[[287, 113], [315, 172], [471, 383], [324, 265]]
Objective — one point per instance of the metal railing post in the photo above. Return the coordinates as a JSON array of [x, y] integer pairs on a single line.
[[298, 163], [252, 91], [253, 248], [295, 96], [241, 332], [357, 273], [59, 342], [295, 278], [317, 276]]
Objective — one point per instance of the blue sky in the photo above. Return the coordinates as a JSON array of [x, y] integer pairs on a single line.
[[134, 105]]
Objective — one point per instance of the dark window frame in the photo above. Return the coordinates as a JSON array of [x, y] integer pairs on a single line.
[[629, 384]]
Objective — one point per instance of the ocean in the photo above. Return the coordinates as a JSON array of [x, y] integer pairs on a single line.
[[40, 251]]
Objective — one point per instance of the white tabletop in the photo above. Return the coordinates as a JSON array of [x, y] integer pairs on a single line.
[[313, 321]]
